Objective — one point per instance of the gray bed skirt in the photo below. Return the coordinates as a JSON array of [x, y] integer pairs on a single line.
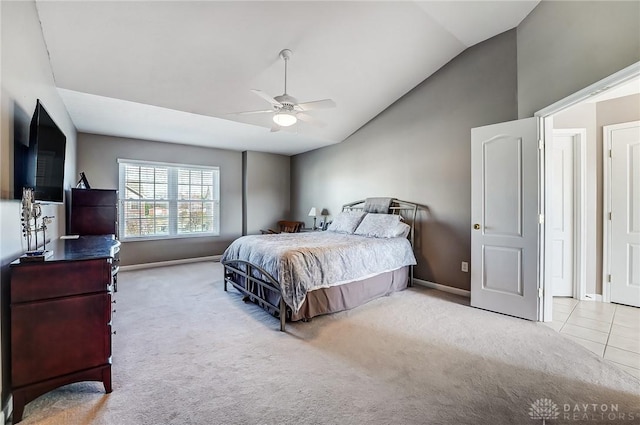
[[262, 289], [352, 294]]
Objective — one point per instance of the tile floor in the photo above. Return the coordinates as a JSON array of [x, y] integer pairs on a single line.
[[609, 330]]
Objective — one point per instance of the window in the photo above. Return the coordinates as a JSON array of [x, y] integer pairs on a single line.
[[168, 200]]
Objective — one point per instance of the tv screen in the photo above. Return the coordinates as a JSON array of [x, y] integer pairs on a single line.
[[47, 144]]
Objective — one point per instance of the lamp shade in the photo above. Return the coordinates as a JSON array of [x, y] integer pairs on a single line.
[[324, 211], [284, 119], [313, 212]]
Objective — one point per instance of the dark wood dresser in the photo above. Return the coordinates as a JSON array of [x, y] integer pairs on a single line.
[[93, 212], [61, 311]]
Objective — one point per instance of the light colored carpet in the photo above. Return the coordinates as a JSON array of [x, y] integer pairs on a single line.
[[186, 352]]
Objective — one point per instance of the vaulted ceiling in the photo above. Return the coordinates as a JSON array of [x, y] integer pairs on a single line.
[[176, 71]]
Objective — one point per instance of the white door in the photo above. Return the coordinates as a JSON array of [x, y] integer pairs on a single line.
[[504, 214], [623, 140], [560, 209]]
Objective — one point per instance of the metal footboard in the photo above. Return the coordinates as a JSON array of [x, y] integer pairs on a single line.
[[258, 283]]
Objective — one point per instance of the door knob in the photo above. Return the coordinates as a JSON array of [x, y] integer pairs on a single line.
[[476, 226]]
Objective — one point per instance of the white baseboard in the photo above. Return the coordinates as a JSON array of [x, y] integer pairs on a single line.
[[592, 297], [443, 288], [169, 263]]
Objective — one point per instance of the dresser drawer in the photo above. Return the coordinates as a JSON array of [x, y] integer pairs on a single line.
[[60, 336], [93, 197], [33, 282], [93, 220]]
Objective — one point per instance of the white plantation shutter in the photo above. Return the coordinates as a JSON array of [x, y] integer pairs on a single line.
[[159, 200]]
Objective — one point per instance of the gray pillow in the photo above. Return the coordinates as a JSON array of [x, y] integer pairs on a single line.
[[346, 221], [382, 226]]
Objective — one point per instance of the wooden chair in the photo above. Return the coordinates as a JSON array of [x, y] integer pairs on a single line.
[[286, 226]]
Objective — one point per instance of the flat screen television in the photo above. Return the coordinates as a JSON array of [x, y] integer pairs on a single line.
[[40, 165]]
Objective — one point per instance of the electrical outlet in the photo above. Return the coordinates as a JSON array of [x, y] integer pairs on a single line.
[[465, 267]]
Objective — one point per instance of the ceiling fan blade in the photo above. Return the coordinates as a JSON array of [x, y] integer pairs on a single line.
[[263, 111], [275, 127], [310, 120], [266, 97], [317, 104]]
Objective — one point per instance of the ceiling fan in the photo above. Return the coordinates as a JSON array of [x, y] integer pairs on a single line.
[[286, 109]]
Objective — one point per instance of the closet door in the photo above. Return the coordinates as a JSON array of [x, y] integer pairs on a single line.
[[623, 226]]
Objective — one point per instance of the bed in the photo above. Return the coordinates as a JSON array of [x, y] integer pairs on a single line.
[[366, 253]]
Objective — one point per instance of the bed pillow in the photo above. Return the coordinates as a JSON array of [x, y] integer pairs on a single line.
[[402, 230], [346, 221], [382, 226]]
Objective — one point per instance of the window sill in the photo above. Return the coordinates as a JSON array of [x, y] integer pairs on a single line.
[[169, 237]]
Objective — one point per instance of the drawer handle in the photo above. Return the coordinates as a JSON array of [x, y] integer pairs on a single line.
[[114, 332], [114, 310], [113, 302]]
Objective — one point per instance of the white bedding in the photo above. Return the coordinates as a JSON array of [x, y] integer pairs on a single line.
[[302, 262]]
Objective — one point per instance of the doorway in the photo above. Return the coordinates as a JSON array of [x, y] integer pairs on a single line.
[[521, 210], [560, 124], [596, 314]]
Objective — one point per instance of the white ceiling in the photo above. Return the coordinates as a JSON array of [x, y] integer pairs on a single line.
[[174, 71]]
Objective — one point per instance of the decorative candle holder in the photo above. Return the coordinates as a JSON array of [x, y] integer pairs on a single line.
[[31, 212]]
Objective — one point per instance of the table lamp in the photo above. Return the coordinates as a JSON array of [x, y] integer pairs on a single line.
[[313, 213]]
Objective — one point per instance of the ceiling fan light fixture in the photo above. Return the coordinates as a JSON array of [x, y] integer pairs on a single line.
[[284, 119], [286, 109]]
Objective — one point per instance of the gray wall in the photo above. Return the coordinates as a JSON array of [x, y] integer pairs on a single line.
[[564, 46], [98, 158], [419, 150], [26, 76], [266, 190]]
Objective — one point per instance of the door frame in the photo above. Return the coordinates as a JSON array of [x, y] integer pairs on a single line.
[[579, 260], [546, 133], [606, 206]]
